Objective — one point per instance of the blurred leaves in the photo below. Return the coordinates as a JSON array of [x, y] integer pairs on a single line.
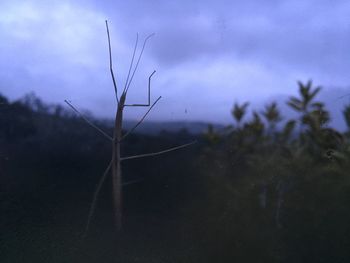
[[259, 191], [239, 111]]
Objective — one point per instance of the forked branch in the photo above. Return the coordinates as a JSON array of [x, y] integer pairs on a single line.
[[149, 94], [141, 120], [131, 63], [138, 61], [97, 192], [114, 167]]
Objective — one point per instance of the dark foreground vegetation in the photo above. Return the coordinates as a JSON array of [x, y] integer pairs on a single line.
[[263, 190]]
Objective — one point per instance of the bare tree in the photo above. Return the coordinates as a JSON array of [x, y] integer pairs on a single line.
[[114, 166]]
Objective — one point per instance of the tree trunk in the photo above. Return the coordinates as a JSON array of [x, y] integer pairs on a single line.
[[116, 166]]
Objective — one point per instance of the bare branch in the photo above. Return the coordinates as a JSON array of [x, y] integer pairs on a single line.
[[132, 62], [140, 121], [111, 63], [149, 87], [94, 200], [149, 94], [88, 122], [138, 61], [97, 191], [132, 182], [157, 153], [343, 96]]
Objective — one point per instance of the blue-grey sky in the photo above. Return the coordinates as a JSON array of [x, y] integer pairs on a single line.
[[208, 54]]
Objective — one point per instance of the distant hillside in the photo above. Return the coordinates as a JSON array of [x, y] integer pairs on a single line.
[[154, 128]]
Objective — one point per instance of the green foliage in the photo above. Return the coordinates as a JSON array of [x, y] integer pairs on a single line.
[[302, 104], [211, 135], [254, 128], [277, 196], [287, 131], [272, 115], [16, 121], [346, 114], [262, 191], [239, 111]]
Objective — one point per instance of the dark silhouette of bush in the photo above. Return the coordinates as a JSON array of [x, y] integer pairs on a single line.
[[266, 189]]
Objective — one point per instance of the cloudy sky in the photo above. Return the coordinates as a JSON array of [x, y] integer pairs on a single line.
[[208, 54]]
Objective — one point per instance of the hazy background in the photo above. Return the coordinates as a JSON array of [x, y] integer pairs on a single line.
[[207, 54]]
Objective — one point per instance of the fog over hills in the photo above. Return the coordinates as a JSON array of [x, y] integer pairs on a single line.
[[155, 127]]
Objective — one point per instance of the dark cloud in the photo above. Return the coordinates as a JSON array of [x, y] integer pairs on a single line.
[[203, 50]]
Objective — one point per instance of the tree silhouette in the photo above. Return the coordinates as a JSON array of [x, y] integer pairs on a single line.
[[272, 116], [346, 114], [239, 111], [303, 103], [114, 165], [254, 130]]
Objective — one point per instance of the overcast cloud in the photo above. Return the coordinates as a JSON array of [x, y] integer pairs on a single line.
[[208, 54]]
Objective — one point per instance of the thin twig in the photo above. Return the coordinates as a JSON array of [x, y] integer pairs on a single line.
[[138, 61], [132, 62], [343, 96], [132, 182], [149, 87], [94, 200], [140, 121], [97, 191], [89, 122], [157, 153], [111, 63], [149, 94]]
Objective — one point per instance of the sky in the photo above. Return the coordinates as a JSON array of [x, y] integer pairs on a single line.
[[207, 54]]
